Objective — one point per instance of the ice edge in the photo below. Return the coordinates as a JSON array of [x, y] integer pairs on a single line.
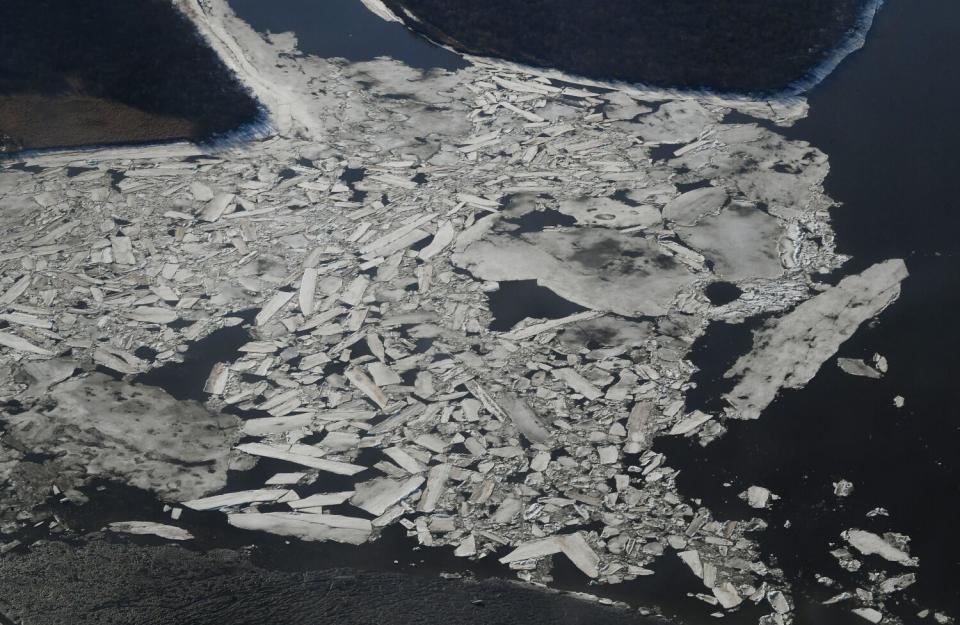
[[855, 40]]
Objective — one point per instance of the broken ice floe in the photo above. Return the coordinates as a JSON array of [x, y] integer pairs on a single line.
[[790, 350], [170, 532], [370, 359]]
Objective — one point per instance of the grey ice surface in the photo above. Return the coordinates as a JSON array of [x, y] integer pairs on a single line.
[[141, 434]]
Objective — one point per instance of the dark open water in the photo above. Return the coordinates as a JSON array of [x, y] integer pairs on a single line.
[[887, 118], [344, 28]]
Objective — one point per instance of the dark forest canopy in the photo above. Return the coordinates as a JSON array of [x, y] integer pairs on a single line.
[[142, 54], [729, 45]]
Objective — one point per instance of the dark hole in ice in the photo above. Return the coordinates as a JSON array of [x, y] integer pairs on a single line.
[[737, 117], [517, 477], [116, 177], [76, 171], [245, 414], [422, 243], [713, 354], [784, 168], [421, 346], [409, 376], [621, 195], [536, 221], [286, 174], [459, 449], [684, 187], [12, 406], [664, 151], [199, 158], [313, 439], [351, 175], [345, 509], [722, 293], [32, 169], [116, 375], [179, 324], [588, 526], [145, 352], [38, 457], [185, 380], [517, 300]]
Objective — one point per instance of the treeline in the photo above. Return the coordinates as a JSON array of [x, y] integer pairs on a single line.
[[741, 45], [142, 53]]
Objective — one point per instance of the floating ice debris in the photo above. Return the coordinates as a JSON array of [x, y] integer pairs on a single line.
[[217, 206], [843, 488], [571, 545], [468, 547], [858, 367], [758, 497], [321, 499], [789, 351], [869, 614], [692, 559], [296, 455], [727, 595], [274, 305], [234, 499], [367, 386], [690, 423], [367, 349], [869, 543], [170, 532], [217, 381], [21, 344], [378, 8], [311, 527], [577, 383], [379, 494], [44, 374], [898, 583], [779, 602], [546, 326], [526, 420]]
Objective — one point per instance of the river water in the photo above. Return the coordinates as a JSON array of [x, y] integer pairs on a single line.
[[887, 120], [346, 29]]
